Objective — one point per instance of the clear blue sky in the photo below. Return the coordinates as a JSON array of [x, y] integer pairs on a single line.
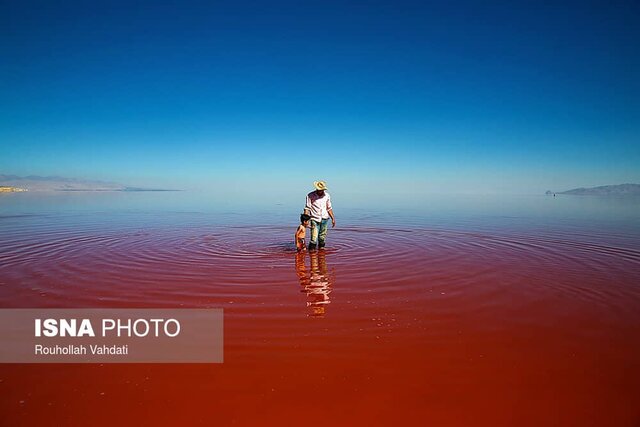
[[409, 97]]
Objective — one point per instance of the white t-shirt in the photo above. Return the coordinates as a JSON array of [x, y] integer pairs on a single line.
[[318, 206]]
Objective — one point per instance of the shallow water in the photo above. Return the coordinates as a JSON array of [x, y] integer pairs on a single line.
[[455, 311]]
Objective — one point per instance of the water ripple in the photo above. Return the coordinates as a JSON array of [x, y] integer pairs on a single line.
[[157, 264]]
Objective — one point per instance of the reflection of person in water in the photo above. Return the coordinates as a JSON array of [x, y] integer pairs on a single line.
[[315, 281]]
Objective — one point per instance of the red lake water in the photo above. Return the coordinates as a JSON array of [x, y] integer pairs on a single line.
[[457, 312]]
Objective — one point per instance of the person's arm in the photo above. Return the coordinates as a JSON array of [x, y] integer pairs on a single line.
[[330, 212], [307, 206]]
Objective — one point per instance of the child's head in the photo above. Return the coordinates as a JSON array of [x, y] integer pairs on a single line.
[[304, 219]]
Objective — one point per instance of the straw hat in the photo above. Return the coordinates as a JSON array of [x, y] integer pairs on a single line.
[[320, 185]]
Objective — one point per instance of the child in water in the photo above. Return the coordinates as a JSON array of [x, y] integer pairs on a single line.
[[301, 232]]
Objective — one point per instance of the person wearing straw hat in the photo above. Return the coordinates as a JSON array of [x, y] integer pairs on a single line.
[[318, 207]]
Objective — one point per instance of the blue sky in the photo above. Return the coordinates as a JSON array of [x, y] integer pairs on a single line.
[[471, 97]]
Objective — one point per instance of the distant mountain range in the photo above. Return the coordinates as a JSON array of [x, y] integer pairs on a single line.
[[604, 190], [58, 183]]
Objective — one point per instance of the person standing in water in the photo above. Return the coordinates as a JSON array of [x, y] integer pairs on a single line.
[[301, 232], [318, 207]]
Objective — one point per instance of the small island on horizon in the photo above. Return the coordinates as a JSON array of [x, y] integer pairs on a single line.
[[603, 190]]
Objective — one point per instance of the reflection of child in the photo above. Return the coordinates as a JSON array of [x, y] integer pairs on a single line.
[[301, 232]]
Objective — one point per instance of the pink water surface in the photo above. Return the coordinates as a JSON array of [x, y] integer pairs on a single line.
[[393, 324]]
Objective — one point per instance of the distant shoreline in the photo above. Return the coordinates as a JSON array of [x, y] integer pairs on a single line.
[[85, 190], [10, 189], [123, 190], [58, 183]]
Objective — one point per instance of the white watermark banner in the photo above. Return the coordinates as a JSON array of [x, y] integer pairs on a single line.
[[111, 335]]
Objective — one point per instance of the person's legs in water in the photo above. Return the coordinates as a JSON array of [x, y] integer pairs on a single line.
[[322, 234], [313, 238]]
